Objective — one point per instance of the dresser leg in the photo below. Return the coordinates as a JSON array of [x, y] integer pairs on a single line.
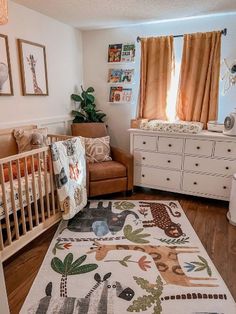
[[129, 193]]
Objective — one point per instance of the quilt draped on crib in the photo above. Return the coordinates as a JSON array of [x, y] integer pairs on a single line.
[[69, 165]]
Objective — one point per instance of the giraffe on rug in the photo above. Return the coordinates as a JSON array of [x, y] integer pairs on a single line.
[[32, 63], [165, 259]]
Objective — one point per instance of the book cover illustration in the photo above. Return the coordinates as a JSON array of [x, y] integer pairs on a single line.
[[114, 53], [120, 76], [128, 53], [120, 95]]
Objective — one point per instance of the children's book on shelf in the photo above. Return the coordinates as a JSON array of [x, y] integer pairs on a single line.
[[114, 53], [128, 53], [120, 76], [119, 94]]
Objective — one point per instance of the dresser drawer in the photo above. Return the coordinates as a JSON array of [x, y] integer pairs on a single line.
[[199, 147], [145, 142], [170, 145], [209, 165], [207, 184], [157, 177], [158, 160], [225, 149]]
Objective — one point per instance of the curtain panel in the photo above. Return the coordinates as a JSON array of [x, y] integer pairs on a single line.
[[157, 60], [198, 91]]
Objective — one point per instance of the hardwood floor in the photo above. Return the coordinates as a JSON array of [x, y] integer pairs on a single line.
[[208, 218]]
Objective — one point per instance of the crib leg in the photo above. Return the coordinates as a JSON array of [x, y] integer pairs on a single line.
[[3, 292]]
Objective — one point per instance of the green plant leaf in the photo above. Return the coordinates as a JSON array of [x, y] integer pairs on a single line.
[[57, 265], [90, 90], [68, 262], [200, 268], [90, 98], [127, 258], [144, 284], [134, 236], [198, 263], [141, 304], [78, 262], [83, 269], [123, 263], [76, 98]]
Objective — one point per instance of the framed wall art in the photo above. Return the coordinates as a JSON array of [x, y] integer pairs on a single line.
[[6, 86], [33, 67]]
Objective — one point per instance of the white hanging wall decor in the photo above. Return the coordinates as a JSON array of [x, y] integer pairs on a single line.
[[229, 77]]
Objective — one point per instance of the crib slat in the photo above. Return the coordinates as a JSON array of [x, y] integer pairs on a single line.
[[5, 205], [16, 223], [40, 187], [51, 183], [34, 190], [46, 183], [29, 209], [22, 209], [1, 237]]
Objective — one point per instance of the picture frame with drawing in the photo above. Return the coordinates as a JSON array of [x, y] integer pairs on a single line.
[[33, 66], [6, 85]]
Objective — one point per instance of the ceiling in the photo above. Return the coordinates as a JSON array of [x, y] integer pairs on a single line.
[[95, 14]]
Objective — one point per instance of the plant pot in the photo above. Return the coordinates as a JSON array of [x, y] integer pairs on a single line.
[[91, 129]]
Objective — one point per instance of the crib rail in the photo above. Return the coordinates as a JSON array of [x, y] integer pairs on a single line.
[[28, 203]]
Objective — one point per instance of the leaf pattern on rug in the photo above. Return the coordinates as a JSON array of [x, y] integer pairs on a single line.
[[174, 241], [147, 301], [135, 236], [69, 268], [61, 246], [142, 262], [199, 266], [123, 205]]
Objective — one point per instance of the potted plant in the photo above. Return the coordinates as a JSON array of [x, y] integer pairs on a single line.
[[87, 112]]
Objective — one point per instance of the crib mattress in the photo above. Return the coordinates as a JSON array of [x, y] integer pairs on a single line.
[[23, 188]]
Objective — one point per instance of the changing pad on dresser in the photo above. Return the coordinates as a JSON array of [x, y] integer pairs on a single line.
[[172, 127]]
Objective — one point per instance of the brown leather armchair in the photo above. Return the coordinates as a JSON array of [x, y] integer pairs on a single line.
[[108, 176]]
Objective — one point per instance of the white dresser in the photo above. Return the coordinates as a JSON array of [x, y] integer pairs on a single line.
[[197, 164]]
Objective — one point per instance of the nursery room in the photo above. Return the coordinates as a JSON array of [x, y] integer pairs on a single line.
[[117, 156]]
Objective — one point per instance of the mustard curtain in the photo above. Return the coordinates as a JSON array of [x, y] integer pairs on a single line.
[[198, 90], [157, 59]]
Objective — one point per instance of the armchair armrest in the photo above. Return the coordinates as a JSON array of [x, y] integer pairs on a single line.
[[127, 160]]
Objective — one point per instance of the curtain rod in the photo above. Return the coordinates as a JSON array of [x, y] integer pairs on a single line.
[[223, 32]]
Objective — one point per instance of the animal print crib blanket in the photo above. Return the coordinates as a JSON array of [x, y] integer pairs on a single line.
[[69, 167], [128, 257]]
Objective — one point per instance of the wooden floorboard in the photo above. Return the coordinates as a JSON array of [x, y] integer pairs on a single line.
[[208, 218]]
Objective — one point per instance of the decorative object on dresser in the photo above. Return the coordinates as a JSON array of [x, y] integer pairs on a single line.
[[197, 164], [230, 124], [6, 86], [33, 67], [110, 176]]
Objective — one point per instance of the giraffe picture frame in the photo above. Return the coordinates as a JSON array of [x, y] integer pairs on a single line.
[[33, 67], [6, 85]]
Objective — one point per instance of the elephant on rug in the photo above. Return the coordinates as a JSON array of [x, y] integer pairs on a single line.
[[101, 220]]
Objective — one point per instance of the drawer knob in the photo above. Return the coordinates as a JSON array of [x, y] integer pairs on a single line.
[[170, 145], [196, 165], [229, 150], [143, 175], [144, 142], [144, 158], [224, 187], [195, 183], [198, 147], [169, 161], [167, 179], [227, 168]]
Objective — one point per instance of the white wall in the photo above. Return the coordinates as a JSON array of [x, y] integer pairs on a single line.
[[64, 64], [95, 44]]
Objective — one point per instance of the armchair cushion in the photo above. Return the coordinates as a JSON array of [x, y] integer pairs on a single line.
[[106, 170]]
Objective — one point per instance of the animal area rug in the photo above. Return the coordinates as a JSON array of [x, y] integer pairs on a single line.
[[128, 257]]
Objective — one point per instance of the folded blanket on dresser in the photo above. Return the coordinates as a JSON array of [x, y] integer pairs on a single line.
[[69, 167], [172, 127]]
